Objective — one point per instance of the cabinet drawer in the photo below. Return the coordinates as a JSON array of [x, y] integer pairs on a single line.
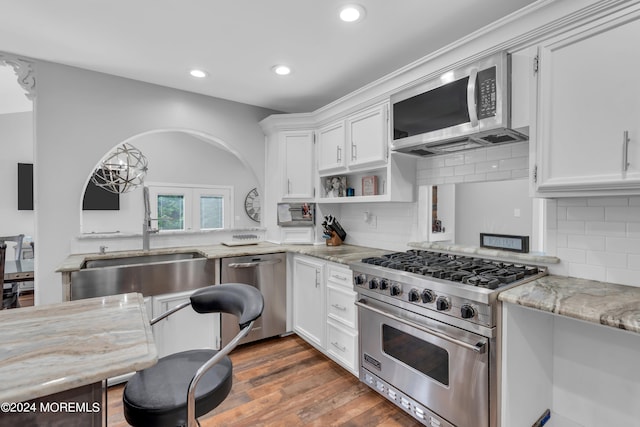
[[342, 345], [339, 275], [340, 305]]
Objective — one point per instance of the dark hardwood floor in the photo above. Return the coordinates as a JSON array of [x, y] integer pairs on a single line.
[[286, 382]]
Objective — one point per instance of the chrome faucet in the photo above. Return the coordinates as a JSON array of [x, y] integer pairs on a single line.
[[146, 224]]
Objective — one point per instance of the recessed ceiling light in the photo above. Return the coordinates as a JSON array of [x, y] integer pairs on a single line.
[[281, 70], [198, 73], [352, 13]]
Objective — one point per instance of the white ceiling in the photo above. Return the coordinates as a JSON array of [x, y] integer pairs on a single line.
[[238, 41]]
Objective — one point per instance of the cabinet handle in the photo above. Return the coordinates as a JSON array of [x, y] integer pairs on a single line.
[[317, 280], [354, 151], [339, 347], [338, 154], [339, 277], [625, 151], [339, 307], [288, 186]]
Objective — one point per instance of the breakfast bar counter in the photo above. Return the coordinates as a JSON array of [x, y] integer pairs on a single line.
[[49, 350], [608, 304]]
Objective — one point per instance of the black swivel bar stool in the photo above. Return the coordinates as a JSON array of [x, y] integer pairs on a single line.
[[184, 386]]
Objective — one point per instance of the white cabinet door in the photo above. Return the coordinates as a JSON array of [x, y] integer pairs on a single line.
[[185, 329], [367, 136], [331, 156], [308, 300], [588, 132], [298, 164]]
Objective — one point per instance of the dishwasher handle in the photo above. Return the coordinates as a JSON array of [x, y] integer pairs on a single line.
[[254, 263]]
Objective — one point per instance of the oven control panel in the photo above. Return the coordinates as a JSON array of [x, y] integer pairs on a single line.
[[409, 405], [424, 297]]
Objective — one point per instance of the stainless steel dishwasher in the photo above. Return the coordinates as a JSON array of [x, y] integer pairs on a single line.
[[267, 273]]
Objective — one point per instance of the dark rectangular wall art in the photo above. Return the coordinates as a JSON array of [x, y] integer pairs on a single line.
[[25, 186]]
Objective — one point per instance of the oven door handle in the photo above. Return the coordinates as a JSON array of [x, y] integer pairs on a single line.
[[480, 347]]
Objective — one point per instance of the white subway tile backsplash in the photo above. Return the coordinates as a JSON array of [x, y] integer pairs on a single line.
[[607, 259], [623, 244], [453, 179], [571, 227], [520, 149], [519, 173], [633, 230], [623, 213], [572, 255], [499, 152], [475, 156], [602, 228], [623, 276], [573, 201], [513, 163], [608, 201], [454, 159], [634, 201], [579, 213], [585, 271], [489, 166], [498, 176], [464, 170], [594, 243], [634, 262]]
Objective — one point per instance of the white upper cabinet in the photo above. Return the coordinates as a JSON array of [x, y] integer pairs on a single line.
[[331, 155], [297, 149], [358, 141], [588, 116], [367, 134]]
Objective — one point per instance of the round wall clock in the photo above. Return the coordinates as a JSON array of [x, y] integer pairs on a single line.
[[252, 205]]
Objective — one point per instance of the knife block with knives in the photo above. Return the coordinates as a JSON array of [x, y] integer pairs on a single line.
[[334, 234]]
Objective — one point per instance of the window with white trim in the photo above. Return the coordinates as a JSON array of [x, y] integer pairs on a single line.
[[191, 207]]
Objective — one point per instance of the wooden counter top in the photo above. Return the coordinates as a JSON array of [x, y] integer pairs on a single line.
[[50, 348]]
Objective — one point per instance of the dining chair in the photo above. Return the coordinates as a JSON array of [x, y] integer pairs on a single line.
[[12, 291]]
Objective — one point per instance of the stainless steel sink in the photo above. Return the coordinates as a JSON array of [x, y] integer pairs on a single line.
[[152, 274], [139, 259]]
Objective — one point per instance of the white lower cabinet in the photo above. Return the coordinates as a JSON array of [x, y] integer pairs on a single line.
[[308, 299], [185, 329], [324, 313]]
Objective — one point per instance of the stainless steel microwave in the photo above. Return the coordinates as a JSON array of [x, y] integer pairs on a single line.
[[465, 108]]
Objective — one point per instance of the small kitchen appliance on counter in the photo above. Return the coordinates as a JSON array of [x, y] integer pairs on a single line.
[[429, 332]]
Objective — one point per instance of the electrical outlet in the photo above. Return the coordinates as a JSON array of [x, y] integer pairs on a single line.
[[516, 213], [373, 221]]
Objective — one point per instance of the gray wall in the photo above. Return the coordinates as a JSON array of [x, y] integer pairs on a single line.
[[80, 115], [488, 207]]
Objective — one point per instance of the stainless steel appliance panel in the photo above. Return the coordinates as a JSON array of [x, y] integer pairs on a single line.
[[440, 366], [268, 274]]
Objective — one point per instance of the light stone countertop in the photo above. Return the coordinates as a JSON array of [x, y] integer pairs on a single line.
[[604, 303], [530, 258], [343, 254], [51, 348]]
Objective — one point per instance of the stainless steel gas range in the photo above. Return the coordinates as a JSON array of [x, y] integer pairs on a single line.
[[429, 332]]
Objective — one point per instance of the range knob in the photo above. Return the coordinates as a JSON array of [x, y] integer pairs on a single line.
[[414, 296], [374, 283], [360, 279], [467, 311], [384, 284], [428, 296], [395, 290], [442, 304]]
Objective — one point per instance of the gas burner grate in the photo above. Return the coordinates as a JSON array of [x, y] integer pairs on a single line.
[[457, 268]]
